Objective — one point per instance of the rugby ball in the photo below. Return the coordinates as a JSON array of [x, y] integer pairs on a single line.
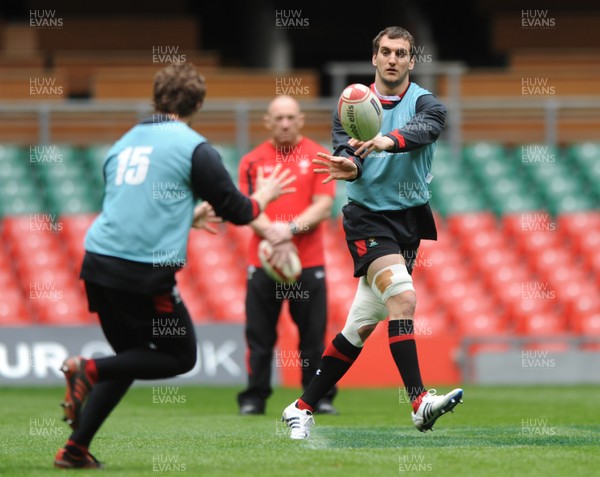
[[289, 273], [360, 112]]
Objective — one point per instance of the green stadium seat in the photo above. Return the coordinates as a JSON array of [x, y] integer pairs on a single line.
[[341, 199], [484, 151], [17, 198], [14, 169], [72, 196], [95, 161], [231, 159], [11, 153], [584, 153], [586, 156], [454, 195], [573, 202], [566, 185]]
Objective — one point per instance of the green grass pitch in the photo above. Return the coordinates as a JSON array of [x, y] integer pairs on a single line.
[[195, 431]]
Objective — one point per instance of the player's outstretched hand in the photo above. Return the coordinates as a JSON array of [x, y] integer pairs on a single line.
[[337, 168], [269, 188], [204, 216], [378, 143]]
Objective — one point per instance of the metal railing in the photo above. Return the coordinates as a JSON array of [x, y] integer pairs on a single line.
[[340, 73]]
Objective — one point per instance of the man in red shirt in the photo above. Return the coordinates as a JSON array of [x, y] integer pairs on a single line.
[[291, 222]]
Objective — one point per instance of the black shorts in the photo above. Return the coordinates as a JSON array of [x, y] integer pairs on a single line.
[[371, 235]]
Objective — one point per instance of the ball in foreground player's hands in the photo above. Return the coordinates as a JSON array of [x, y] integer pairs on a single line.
[[289, 272], [360, 112]]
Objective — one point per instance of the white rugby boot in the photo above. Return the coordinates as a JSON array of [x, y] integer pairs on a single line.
[[432, 407], [298, 421]]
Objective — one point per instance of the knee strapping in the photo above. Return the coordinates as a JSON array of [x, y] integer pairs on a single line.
[[366, 309], [391, 281]]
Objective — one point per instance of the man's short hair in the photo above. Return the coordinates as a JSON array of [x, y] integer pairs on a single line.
[[394, 32], [178, 89]]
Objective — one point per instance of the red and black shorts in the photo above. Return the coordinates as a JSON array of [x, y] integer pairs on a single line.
[[371, 235]]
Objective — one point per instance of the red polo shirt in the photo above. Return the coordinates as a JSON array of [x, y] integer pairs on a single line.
[[288, 207]]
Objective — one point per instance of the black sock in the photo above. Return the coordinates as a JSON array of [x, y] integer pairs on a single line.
[[404, 352], [103, 398], [337, 359]]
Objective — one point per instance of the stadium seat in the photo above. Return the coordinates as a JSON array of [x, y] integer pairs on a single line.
[[483, 152], [198, 310], [483, 240], [231, 159], [547, 332], [455, 195], [474, 304], [486, 331], [576, 224], [431, 323], [541, 323], [13, 309], [464, 225], [94, 156], [446, 275], [74, 228], [531, 244], [340, 295], [578, 296], [452, 190], [227, 304], [588, 242], [587, 157], [501, 279], [68, 309], [13, 167], [20, 197], [588, 329]]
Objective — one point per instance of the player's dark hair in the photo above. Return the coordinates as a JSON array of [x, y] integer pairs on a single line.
[[178, 89], [393, 33]]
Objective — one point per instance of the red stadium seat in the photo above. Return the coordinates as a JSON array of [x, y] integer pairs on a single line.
[[515, 225], [545, 327], [506, 280], [588, 243], [465, 225], [549, 258], [445, 275], [65, 308], [13, 308], [581, 309], [227, 304], [485, 325], [197, 306], [588, 328], [340, 295], [74, 228], [240, 236], [484, 240], [474, 304], [431, 323], [577, 224]]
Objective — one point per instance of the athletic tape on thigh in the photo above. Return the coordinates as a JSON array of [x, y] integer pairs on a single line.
[[391, 281], [366, 309]]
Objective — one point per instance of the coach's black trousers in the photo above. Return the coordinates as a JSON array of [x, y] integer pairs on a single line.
[[307, 300]]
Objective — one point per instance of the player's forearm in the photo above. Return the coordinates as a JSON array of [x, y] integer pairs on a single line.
[[424, 128]]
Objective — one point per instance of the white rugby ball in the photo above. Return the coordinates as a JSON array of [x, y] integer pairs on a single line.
[[289, 273], [360, 112]]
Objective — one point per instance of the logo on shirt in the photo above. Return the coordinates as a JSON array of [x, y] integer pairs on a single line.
[[304, 166], [371, 242]]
